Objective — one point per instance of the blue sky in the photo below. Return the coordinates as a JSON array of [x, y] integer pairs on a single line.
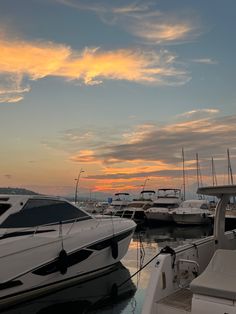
[[116, 88]]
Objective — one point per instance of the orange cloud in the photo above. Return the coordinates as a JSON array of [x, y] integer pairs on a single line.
[[35, 60], [164, 32], [86, 156], [141, 167]]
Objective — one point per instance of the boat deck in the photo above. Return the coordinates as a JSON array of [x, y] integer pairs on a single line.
[[178, 302]]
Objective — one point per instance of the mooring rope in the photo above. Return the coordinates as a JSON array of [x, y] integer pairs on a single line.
[[165, 250], [114, 291]]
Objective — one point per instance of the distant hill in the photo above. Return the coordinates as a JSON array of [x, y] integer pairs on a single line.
[[17, 191]]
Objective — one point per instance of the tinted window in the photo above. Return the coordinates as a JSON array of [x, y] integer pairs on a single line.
[[166, 205], [42, 211]]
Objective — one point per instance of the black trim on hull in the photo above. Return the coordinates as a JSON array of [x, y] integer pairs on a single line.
[[24, 233], [10, 284], [80, 255], [72, 259], [52, 267], [106, 243]]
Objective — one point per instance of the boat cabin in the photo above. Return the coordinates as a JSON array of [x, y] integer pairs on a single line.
[[22, 211]]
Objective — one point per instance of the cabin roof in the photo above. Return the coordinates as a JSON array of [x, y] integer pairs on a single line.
[[218, 191], [148, 191], [169, 189]]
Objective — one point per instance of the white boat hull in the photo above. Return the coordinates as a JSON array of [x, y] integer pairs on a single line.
[[87, 296], [191, 219], [162, 216], [34, 268]]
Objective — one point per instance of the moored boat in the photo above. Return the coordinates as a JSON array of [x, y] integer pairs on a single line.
[[167, 200], [136, 208], [120, 201], [47, 243], [198, 277], [192, 212]]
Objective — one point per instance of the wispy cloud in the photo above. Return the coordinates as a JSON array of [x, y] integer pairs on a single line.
[[208, 136], [125, 158], [11, 87], [142, 19], [199, 113], [205, 61], [22, 61], [8, 176]]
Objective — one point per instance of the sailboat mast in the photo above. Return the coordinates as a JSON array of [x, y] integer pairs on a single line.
[[230, 173], [183, 175], [197, 166], [199, 175], [213, 172]]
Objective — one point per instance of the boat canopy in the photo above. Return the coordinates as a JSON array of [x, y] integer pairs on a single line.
[[169, 189], [218, 191], [223, 192], [148, 191]]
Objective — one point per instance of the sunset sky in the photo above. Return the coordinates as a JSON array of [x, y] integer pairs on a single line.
[[116, 88]]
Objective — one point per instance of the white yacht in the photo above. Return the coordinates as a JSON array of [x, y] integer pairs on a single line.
[[47, 243], [198, 277], [192, 212], [137, 207], [120, 201], [161, 210]]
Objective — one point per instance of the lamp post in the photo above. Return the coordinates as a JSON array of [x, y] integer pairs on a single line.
[[77, 183]]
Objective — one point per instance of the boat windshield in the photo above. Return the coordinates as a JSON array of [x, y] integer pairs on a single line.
[[38, 212], [171, 193], [194, 204]]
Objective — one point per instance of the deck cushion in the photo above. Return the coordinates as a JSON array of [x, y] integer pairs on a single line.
[[219, 277]]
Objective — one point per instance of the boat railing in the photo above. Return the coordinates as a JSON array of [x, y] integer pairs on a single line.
[[182, 261], [35, 229], [124, 214]]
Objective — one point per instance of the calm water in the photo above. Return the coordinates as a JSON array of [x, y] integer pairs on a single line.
[[109, 293]]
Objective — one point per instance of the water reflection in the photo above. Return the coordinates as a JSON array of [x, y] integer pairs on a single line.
[[172, 233]]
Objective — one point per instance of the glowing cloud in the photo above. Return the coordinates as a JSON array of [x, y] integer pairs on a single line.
[[21, 60], [153, 151], [162, 144], [84, 156], [141, 19], [158, 33], [198, 113]]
